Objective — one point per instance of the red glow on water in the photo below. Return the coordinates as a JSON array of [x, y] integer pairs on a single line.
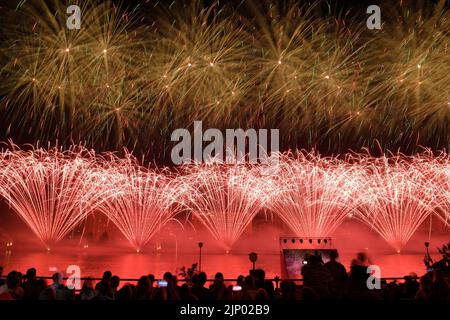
[[180, 249], [54, 191]]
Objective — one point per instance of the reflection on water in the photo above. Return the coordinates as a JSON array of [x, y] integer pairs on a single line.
[[133, 265], [177, 249]]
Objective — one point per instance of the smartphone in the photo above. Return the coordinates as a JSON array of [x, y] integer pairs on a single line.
[[162, 283], [237, 288]]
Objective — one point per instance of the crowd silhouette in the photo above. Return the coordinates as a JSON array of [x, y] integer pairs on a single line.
[[321, 281]]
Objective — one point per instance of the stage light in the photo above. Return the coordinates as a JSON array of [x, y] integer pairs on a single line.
[[293, 240], [310, 240], [285, 240], [318, 241], [301, 240]]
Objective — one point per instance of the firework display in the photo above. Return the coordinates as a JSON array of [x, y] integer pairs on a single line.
[[397, 199], [143, 201], [439, 171], [72, 78], [313, 195], [198, 62], [257, 151], [444, 203], [323, 80], [411, 83], [54, 191], [225, 198], [2, 173]]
